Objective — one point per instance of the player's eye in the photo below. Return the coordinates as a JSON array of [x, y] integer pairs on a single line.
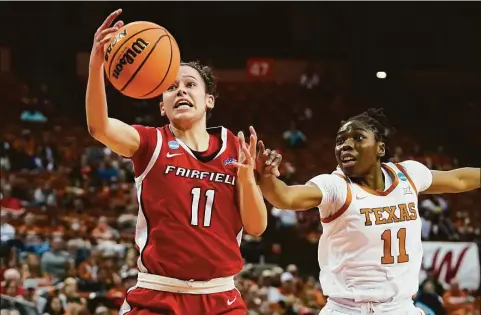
[[190, 84], [359, 138], [339, 140]]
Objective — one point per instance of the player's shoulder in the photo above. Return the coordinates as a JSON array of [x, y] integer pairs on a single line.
[[410, 167], [337, 175], [335, 178]]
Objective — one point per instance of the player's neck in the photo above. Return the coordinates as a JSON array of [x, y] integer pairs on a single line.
[[196, 137], [373, 180]]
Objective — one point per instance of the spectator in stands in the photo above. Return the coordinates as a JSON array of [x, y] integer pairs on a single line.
[[55, 261], [30, 226], [54, 307], [103, 231], [47, 154], [117, 293], [11, 285], [44, 196], [89, 268], [11, 204], [311, 296], [128, 219], [426, 224], [130, 265], [69, 294], [107, 237], [456, 301], [443, 229], [6, 156], [433, 279], [286, 219], [107, 172], [309, 79], [435, 203], [34, 243], [7, 231], [288, 286], [33, 296], [428, 300], [32, 270], [294, 137]]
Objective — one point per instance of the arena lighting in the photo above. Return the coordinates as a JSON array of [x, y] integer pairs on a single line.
[[381, 75]]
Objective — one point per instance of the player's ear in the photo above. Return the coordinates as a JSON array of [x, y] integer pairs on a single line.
[[162, 109], [381, 149], [210, 101]]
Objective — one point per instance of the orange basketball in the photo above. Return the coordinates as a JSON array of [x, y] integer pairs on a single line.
[[142, 60]]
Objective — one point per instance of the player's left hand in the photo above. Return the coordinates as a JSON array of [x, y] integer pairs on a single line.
[[247, 154]]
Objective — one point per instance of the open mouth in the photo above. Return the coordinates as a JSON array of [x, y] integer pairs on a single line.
[[183, 104], [347, 160]]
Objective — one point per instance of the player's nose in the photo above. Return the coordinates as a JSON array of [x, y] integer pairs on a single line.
[[181, 90], [348, 145]]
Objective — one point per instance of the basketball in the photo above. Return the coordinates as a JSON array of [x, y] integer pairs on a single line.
[[142, 60]]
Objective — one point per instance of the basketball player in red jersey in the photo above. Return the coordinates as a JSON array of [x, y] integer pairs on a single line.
[[196, 191]]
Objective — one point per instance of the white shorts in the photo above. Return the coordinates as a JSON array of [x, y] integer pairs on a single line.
[[335, 308]]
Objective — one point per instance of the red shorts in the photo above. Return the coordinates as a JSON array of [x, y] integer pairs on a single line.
[[140, 301]]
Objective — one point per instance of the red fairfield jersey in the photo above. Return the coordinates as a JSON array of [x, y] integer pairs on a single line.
[[189, 225]]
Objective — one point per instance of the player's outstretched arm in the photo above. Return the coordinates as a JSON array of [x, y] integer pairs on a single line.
[[118, 136], [251, 203], [454, 181], [280, 195]]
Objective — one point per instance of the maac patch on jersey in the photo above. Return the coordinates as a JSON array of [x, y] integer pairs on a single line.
[[174, 145], [402, 176]]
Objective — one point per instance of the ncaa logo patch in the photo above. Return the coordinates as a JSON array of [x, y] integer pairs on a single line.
[[174, 145], [229, 161], [402, 177]]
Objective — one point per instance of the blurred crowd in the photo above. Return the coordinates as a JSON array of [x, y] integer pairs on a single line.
[[68, 205]]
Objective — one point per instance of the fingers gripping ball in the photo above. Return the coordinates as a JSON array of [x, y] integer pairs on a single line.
[[142, 60]]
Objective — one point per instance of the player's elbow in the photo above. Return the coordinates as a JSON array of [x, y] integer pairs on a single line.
[[95, 132], [255, 224], [255, 229]]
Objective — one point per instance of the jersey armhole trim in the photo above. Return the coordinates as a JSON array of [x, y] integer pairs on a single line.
[[403, 170], [153, 159], [344, 207]]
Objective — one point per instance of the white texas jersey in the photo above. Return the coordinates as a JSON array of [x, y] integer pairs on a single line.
[[371, 249]]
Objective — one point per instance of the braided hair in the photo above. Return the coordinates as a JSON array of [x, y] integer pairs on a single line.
[[376, 121]]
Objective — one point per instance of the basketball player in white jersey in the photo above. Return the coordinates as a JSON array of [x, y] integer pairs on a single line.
[[370, 251]]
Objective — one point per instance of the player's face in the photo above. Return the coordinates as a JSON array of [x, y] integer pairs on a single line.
[[357, 150], [186, 99]]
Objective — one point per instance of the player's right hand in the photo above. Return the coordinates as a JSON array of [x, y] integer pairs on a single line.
[[102, 36], [267, 161]]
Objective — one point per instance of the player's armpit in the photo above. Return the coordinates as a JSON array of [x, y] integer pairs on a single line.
[[455, 181], [119, 137], [297, 197]]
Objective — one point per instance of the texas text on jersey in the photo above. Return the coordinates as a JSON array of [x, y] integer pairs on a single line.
[[189, 226]]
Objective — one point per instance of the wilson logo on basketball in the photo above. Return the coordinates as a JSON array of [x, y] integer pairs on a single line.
[[129, 56], [116, 39]]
